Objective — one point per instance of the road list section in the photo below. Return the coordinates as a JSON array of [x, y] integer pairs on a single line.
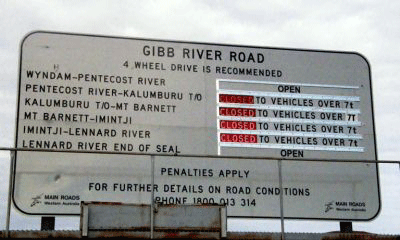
[[67, 111]]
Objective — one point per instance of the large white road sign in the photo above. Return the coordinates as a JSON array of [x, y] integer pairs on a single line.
[[122, 95]]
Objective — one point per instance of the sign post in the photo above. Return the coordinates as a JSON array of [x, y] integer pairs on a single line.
[[47, 223], [214, 119]]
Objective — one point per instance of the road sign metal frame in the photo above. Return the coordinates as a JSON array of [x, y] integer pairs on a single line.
[[374, 158]]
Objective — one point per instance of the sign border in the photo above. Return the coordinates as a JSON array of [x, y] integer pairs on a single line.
[[202, 43]]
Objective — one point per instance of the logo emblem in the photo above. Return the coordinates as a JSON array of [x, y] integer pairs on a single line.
[[36, 200], [328, 206]]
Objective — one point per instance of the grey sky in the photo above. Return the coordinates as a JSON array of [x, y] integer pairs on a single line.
[[371, 28]]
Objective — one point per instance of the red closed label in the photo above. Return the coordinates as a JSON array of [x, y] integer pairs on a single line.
[[240, 112], [238, 138], [230, 98], [237, 125]]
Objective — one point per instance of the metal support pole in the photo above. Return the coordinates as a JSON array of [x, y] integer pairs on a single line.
[[47, 223], [84, 220], [346, 227], [10, 190], [152, 199], [281, 200]]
